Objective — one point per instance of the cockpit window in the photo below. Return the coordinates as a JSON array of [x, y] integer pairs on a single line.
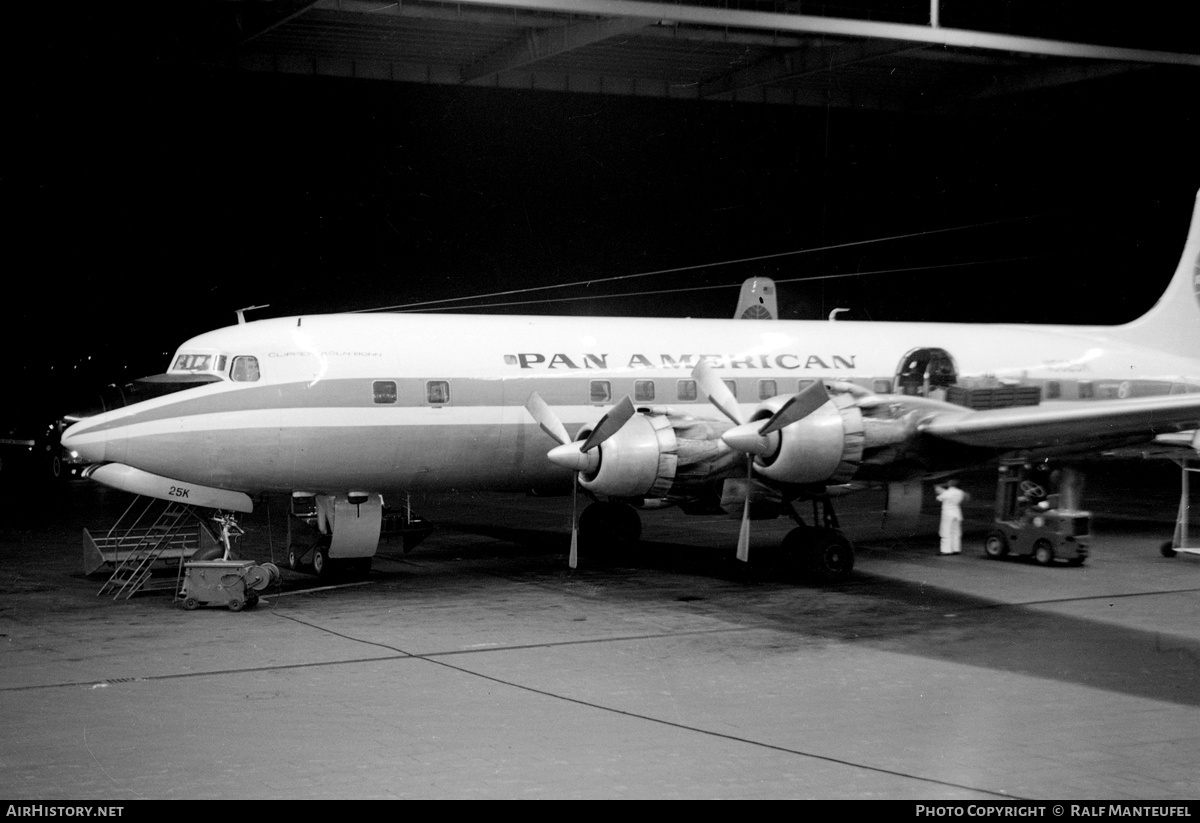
[[245, 369], [193, 362]]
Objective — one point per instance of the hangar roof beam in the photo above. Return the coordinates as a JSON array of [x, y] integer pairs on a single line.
[[801, 23], [539, 44]]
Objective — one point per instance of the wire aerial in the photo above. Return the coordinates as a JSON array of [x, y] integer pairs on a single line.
[[404, 307], [689, 289]]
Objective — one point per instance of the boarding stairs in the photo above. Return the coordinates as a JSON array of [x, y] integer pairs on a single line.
[[151, 539]]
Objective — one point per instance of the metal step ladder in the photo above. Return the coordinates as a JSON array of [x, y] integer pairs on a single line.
[[1181, 542], [150, 536]]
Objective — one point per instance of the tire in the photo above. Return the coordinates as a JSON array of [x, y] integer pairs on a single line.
[[995, 545], [236, 604], [321, 565], [191, 604], [629, 525], [609, 528], [1043, 552], [830, 556], [293, 560], [1168, 549]]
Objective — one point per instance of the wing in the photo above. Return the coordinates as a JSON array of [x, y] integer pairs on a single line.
[[1067, 426]]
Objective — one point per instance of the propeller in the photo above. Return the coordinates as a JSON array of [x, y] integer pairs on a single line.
[[577, 455], [755, 437], [720, 396]]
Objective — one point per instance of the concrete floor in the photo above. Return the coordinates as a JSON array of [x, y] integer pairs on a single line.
[[479, 666]]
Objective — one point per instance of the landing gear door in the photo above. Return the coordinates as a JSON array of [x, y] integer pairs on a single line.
[[355, 526]]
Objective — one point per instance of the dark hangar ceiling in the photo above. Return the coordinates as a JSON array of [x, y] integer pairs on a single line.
[[927, 55]]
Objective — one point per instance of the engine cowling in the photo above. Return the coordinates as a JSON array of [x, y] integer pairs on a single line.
[[640, 460], [824, 447]]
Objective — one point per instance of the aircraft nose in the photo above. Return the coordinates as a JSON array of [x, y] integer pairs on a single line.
[[88, 444]]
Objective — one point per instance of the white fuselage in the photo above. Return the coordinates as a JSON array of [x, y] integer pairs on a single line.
[[410, 402]]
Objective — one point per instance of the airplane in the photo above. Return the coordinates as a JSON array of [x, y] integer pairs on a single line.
[[710, 415]]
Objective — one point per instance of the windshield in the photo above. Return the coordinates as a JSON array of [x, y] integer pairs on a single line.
[[195, 362]]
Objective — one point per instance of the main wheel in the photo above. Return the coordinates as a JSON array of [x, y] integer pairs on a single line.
[[995, 545], [832, 556], [321, 562], [610, 527], [294, 555], [1168, 549], [1043, 552], [825, 554]]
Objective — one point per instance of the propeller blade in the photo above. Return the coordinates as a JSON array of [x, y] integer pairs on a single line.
[[546, 418], [810, 398], [743, 547], [717, 392], [573, 560], [609, 424]]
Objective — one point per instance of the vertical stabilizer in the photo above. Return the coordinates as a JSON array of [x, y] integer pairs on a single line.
[[757, 300], [1173, 323]]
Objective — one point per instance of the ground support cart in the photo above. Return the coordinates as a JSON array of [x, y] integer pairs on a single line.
[[234, 584]]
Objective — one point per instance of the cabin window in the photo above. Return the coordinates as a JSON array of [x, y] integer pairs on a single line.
[[245, 369], [732, 384], [1053, 390], [385, 391], [686, 390], [766, 389], [437, 392], [882, 386], [643, 391], [601, 391], [1086, 390]]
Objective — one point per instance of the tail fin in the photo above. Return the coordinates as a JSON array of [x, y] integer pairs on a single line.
[[757, 300], [1173, 323]]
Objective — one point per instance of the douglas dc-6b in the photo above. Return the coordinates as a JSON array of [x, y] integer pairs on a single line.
[[709, 415]]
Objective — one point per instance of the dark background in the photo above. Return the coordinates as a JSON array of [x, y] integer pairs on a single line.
[[145, 199]]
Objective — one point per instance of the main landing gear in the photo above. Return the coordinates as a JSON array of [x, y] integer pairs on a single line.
[[821, 552], [609, 528]]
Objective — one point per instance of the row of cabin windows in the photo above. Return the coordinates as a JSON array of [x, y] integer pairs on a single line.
[[645, 391], [437, 392]]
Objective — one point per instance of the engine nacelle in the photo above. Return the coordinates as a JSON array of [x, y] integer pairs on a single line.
[[823, 447], [640, 460]]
